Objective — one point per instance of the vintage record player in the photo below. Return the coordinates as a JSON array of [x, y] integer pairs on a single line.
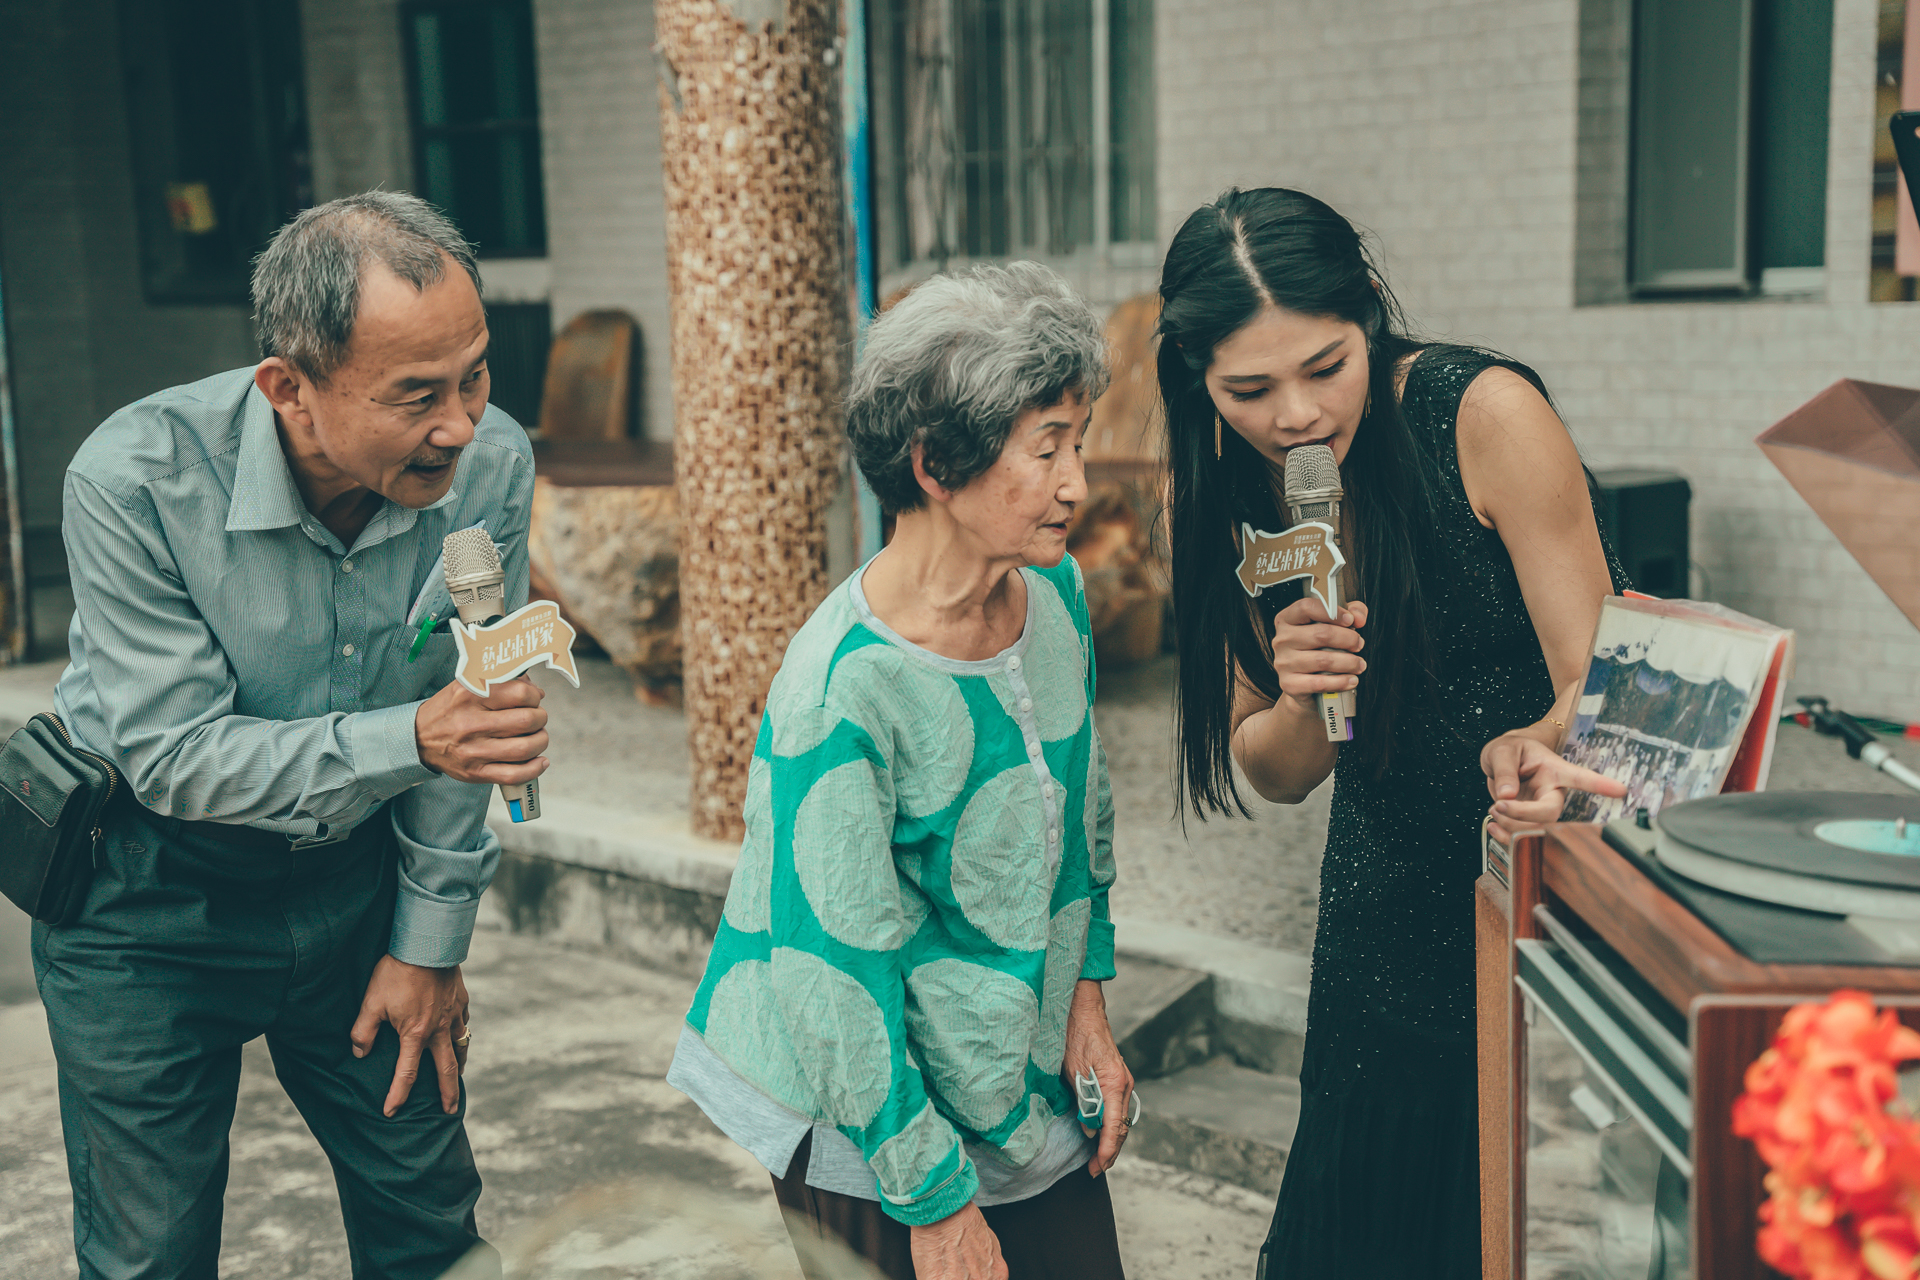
[[1622, 999], [1628, 975]]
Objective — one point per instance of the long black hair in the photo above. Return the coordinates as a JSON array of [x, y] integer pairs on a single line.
[[1230, 259]]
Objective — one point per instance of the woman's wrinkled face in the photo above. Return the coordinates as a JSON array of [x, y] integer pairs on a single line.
[[1285, 379], [1018, 508]]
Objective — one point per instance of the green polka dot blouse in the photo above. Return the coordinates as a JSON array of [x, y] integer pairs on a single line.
[[924, 878]]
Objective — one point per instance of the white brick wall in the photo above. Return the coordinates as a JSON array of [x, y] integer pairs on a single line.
[[600, 147], [84, 339], [356, 97], [600, 144], [1449, 129]]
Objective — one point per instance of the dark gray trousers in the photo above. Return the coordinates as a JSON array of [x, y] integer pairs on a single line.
[[1066, 1232], [187, 949]]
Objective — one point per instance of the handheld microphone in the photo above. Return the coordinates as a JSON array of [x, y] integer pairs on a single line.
[[478, 585], [1313, 492]]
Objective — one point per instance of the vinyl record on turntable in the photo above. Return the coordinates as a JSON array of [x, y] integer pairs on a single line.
[[1831, 851]]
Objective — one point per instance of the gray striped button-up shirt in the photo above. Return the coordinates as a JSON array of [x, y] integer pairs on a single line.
[[242, 666]]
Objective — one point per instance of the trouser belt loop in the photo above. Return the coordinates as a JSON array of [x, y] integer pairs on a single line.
[[324, 836]]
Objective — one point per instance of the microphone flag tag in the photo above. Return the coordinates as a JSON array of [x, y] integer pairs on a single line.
[[1307, 550], [498, 651]]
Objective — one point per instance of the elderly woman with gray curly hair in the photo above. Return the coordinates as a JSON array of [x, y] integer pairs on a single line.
[[907, 978]]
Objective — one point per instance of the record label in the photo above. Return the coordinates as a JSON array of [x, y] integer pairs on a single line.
[[1866, 840]]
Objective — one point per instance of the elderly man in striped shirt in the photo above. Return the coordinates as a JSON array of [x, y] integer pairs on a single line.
[[301, 846]]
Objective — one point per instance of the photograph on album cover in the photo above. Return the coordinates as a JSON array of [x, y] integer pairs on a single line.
[[1666, 701]]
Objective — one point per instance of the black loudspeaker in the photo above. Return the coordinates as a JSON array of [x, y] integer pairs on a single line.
[[1644, 513]]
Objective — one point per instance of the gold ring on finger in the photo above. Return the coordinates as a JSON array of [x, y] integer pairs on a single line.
[[463, 1041]]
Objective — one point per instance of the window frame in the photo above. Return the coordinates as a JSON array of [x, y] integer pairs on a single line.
[[1747, 275], [272, 174], [420, 133]]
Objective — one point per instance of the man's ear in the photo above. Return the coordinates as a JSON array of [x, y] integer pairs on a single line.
[[285, 388], [931, 487]]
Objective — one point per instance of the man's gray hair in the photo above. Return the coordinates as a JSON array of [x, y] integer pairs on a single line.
[[955, 362], [306, 283]]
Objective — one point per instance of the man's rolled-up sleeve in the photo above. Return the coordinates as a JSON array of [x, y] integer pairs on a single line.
[[167, 693], [447, 858], [447, 852]]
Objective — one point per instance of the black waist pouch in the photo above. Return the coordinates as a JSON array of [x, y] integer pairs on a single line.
[[53, 800]]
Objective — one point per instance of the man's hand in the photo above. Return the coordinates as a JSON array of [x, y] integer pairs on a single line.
[[1529, 781], [497, 738], [960, 1246], [428, 1009], [1091, 1051]]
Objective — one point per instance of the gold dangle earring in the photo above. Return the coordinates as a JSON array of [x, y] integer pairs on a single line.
[[1218, 426]]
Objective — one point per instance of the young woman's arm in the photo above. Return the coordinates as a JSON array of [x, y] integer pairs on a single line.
[[1282, 747], [1523, 477]]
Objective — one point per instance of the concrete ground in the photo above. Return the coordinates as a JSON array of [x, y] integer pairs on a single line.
[[595, 1169]]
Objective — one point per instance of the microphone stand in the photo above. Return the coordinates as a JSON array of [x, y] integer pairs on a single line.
[[1861, 742]]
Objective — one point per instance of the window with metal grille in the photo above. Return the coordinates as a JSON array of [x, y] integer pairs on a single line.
[[476, 119], [1011, 128]]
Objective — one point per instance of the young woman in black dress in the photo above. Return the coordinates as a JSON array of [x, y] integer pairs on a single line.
[[1476, 574]]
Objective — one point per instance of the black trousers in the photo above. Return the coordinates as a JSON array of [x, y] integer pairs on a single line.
[[187, 949], [1064, 1233]]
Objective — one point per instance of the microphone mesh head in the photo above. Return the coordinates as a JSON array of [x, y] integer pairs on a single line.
[[475, 578], [1312, 470], [470, 553]]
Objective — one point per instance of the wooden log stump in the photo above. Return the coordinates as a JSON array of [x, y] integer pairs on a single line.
[[609, 554], [1113, 532], [1111, 538]]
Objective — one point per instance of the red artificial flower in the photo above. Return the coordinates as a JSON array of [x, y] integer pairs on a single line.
[[1820, 1107]]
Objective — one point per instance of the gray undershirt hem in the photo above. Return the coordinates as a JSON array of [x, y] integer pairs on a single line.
[[770, 1132]]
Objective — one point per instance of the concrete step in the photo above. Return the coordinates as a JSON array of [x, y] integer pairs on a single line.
[[1212, 1027], [1161, 1015], [645, 886], [1220, 1119], [1259, 993]]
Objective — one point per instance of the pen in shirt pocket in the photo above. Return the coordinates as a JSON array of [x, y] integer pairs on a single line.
[[425, 616]]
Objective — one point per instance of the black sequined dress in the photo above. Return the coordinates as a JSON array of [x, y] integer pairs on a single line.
[[1383, 1176]]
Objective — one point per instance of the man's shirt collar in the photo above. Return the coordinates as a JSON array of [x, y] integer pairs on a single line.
[[265, 496]]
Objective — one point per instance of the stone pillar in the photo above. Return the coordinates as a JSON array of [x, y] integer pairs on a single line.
[[750, 135]]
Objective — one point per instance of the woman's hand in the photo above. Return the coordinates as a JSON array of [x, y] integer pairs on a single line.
[[1529, 781], [1314, 653], [1282, 747], [961, 1246], [1092, 1052]]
